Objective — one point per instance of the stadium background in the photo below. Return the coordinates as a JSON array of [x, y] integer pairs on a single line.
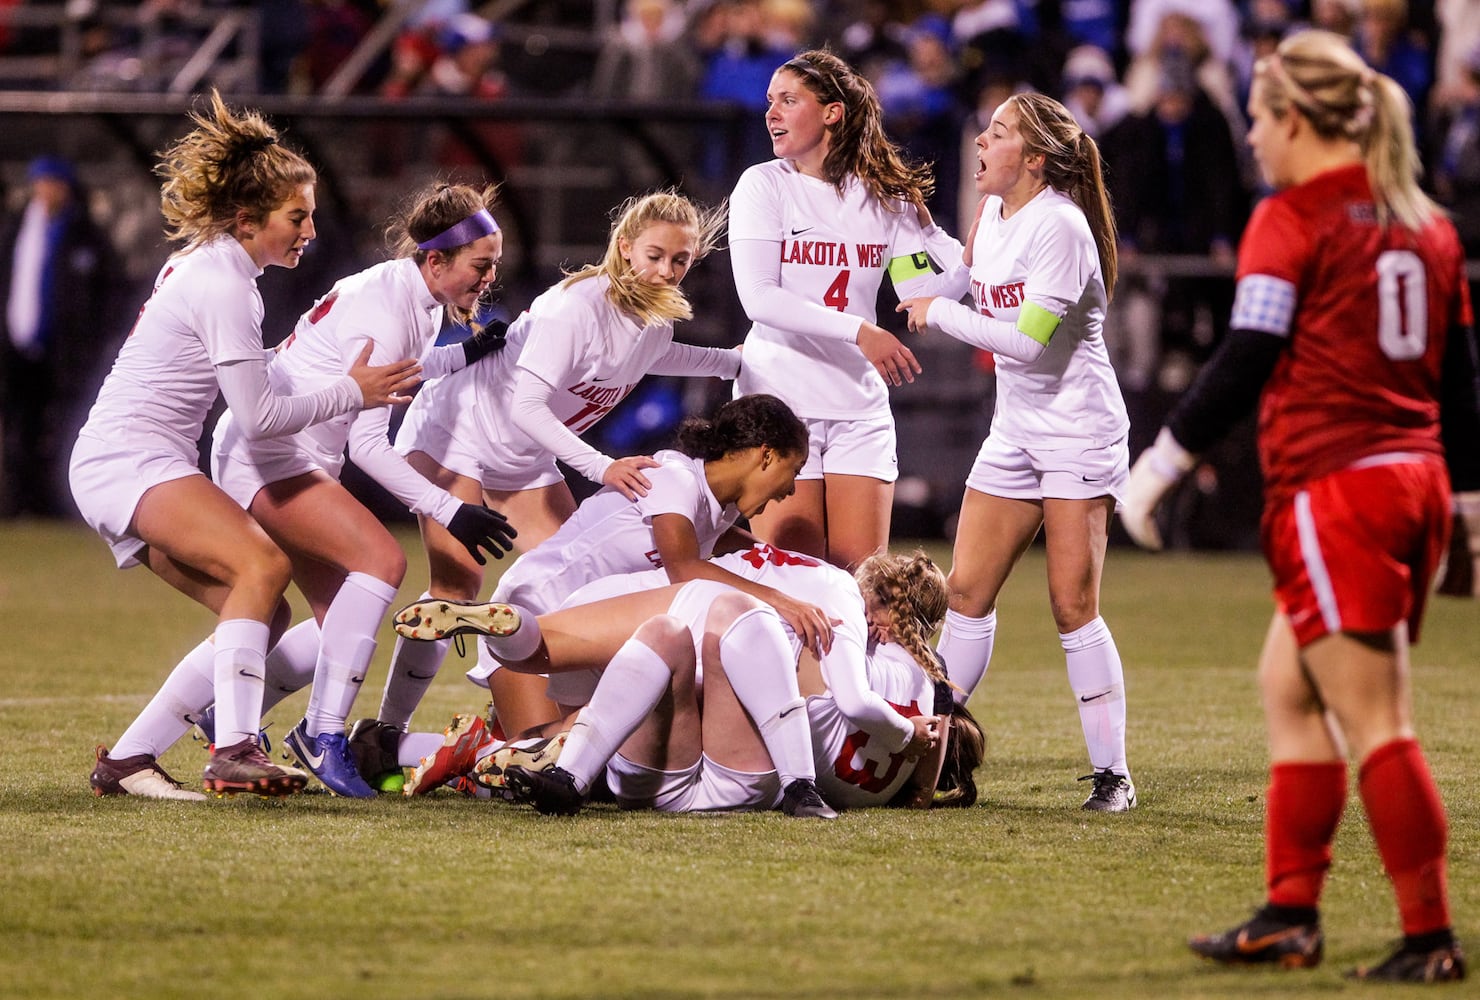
[[106, 85]]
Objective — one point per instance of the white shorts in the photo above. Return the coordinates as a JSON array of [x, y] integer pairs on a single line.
[[702, 787], [448, 434], [1005, 470], [108, 483], [851, 448], [540, 593], [242, 468], [689, 605]]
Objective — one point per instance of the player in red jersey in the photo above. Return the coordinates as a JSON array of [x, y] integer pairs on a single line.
[[1352, 325]]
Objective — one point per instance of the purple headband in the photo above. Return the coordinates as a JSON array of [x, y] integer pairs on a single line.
[[475, 226]]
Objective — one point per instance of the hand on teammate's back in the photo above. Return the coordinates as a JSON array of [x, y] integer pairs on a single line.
[[625, 475], [382, 385]]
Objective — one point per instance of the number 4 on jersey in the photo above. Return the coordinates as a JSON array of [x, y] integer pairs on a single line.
[[836, 295]]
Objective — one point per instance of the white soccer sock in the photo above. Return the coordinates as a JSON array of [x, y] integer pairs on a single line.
[[1098, 682], [631, 686], [966, 646], [415, 746], [237, 671], [290, 663], [346, 644], [186, 692], [765, 683], [414, 665], [521, 644]]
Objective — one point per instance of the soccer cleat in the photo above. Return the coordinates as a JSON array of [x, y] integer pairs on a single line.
[[461, 743], [802, 800], [328, 756], [243, 767], [436, 618], [464, 785], [205, 725], [1265, 938], [552, 791], [1444, 964], [535, 754], [138, 775], [1113, 793], [374, 745]]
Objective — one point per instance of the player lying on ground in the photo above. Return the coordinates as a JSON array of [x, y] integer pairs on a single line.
[[860, 738]]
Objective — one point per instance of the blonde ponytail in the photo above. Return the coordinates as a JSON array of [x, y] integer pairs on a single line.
[[1318, 74]]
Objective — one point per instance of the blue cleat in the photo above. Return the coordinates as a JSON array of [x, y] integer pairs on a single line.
[[205, 724], [328, 756]]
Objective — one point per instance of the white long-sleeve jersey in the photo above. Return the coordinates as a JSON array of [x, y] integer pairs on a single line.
[[808, 265], [390, 305], [200, 334], [1058, 391]]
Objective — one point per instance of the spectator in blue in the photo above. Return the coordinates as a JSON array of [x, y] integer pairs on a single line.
[[59, 275], [922, 109], [1456, 159], [741, 43], [1389, 45], [1100, 23]]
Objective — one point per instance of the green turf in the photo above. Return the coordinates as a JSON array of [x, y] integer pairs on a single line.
[[444, 897]]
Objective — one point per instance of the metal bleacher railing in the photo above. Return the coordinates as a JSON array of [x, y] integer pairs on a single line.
[[563, 164]]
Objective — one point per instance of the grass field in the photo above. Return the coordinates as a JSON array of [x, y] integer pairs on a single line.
[[1024, 895]]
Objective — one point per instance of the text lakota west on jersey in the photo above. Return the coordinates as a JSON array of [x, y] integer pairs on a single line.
[[828, 254], [991, 297]]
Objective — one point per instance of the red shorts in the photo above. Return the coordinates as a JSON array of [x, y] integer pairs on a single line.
[[1356, 550]]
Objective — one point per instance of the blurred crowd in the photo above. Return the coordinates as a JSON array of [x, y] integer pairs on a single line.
[[1161, 84]]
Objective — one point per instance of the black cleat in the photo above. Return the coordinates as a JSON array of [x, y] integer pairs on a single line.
[[1444, 964], [374, 745], [802, 800], [1113, 793], [551, 791], [1266, 938]]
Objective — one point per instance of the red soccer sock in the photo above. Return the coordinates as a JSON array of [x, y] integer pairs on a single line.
[[1304, 806], [1411, 830]]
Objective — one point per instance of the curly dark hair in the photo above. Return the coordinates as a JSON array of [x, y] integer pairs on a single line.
[[747, 422]]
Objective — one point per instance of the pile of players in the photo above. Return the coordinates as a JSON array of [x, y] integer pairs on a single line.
[[766, 677]]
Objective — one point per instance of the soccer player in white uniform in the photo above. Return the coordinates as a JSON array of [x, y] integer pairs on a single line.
[[812, 235], [241, 202], [732, 465], [345, 561], [871, 717], [1041, 267], [493, 432]]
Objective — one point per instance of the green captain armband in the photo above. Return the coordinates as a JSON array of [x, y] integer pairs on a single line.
[[913, 266], [1037, 323]]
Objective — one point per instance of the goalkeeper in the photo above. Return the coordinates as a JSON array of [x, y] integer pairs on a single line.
[[1352, 326]]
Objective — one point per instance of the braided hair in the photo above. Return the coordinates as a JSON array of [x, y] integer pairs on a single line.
[[913, 589]]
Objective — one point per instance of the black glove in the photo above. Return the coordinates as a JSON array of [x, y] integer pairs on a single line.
[[477, 526], [485, 340]]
